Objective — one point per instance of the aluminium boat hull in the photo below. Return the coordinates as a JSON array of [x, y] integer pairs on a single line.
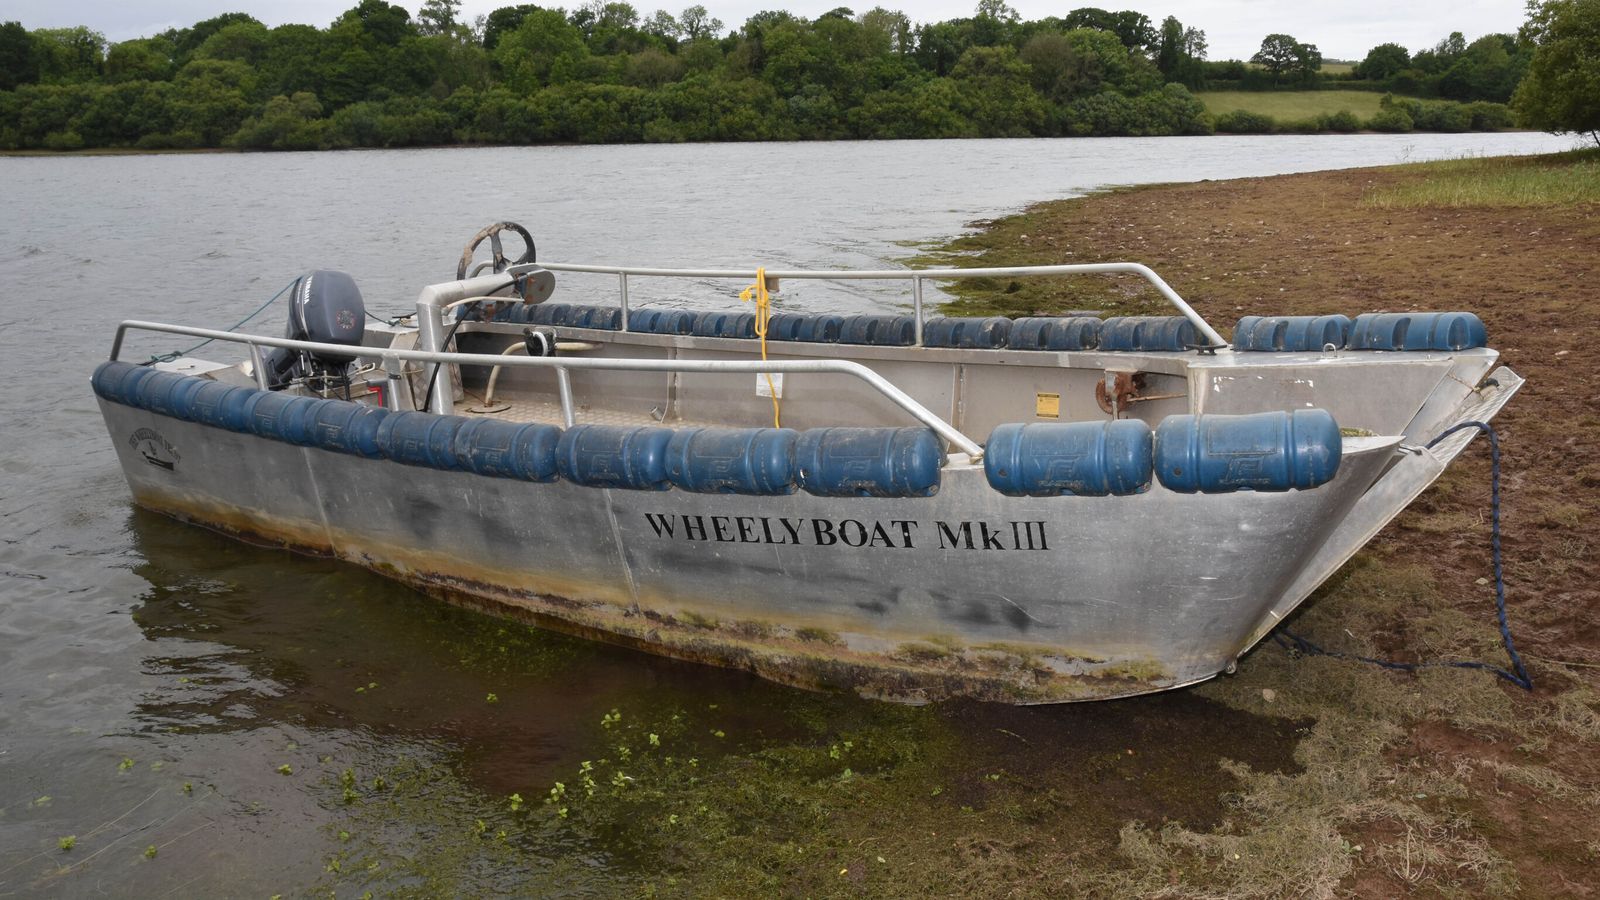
[[965, 593], [948, 578]]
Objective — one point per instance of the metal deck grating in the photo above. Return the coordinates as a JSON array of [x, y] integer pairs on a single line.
[[549, 412]]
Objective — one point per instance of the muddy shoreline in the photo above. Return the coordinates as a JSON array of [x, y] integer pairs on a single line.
[[1325, 242]]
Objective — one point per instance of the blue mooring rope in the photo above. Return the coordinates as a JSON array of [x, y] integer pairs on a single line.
[[1291, 641], [175, 354]]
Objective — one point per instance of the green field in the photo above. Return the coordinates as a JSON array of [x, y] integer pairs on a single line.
[[1288, 106]]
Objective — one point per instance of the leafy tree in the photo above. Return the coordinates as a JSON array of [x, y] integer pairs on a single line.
[[1489, 69], [662, 24], [1438, 58], [1131, 27], [1277, 54], [456, 62], [186, 41], [994, 24], [286, 123], [351, 76], [383, 24], [212, 98], [242, 41], [995, 93], [703, 55], [1053, 65], [1383, 61], [19, 59], [295, 60], [1282, 55], [1179, 52], [144, 59], [545, 49], [1308, 60], [69, 55], [929, 110], [438, 16], [652, 68], [893, 25], [940, 45], [1108, 63], [611, 28], [503, 20], [697, 23], [1561, 92], [600, 16], [412, 68]]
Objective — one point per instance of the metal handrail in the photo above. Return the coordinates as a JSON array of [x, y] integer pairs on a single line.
[[563, 365], [915, 276]]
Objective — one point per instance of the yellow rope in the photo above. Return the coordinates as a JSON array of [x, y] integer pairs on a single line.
[[758, 292]]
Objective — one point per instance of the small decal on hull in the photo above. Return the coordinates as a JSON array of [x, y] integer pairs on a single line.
[[155, 449]]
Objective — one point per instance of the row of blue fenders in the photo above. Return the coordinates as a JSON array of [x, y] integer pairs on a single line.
[[1446, 331], [1189, 454]]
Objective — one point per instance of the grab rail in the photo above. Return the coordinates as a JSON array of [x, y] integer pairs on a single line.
[[915, 276], [392, 358]]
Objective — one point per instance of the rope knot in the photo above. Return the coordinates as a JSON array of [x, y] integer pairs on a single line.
[[763, 299]]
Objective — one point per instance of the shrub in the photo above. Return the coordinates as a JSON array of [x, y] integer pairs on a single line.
[[1245, 122], [176, 140], [63, 140], [1344, 120], [1443, 116], [1391, 119], [1488, 116]]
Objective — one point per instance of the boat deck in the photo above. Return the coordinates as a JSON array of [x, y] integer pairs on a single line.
[[523, 409]]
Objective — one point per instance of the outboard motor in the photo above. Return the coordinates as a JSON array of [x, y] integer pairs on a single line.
[[327, 309]]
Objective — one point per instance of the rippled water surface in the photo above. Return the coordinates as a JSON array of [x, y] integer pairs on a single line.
[[154, 678]]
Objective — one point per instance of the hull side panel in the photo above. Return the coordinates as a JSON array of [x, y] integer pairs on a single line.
[[965, 593]]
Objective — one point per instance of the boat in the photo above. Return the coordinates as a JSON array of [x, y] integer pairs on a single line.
[[911, 507]]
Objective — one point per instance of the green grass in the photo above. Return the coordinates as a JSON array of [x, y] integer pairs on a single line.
[[1558, 180], [1288, 106]]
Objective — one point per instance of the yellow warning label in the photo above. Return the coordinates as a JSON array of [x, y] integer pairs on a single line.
[[1047, 406]]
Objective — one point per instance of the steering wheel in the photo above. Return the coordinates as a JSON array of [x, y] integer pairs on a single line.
[[493, 234]]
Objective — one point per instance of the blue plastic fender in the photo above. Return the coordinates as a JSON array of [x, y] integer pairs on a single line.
[[420, 439], [1082, 459], [1147, 333], [1054, 333], [1270, 451], [344, 427], [1290, 334], [526, 452], [614, 456], [756, 461], [869, 462], [1418, 331], [970, 333]]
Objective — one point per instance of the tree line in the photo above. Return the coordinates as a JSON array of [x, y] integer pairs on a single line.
[[379, 77]]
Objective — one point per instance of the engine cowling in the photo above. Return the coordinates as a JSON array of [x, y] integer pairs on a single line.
[[326, 308]]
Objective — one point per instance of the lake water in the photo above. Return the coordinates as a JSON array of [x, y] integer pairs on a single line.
[[154, 677]]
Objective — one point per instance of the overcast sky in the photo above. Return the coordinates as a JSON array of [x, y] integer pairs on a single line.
[[1342, 30]]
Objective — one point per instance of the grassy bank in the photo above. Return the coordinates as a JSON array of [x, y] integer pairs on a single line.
[[1291, 105], [1507, 181]]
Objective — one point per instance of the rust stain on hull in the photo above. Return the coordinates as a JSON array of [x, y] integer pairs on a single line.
[[790, 655]]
